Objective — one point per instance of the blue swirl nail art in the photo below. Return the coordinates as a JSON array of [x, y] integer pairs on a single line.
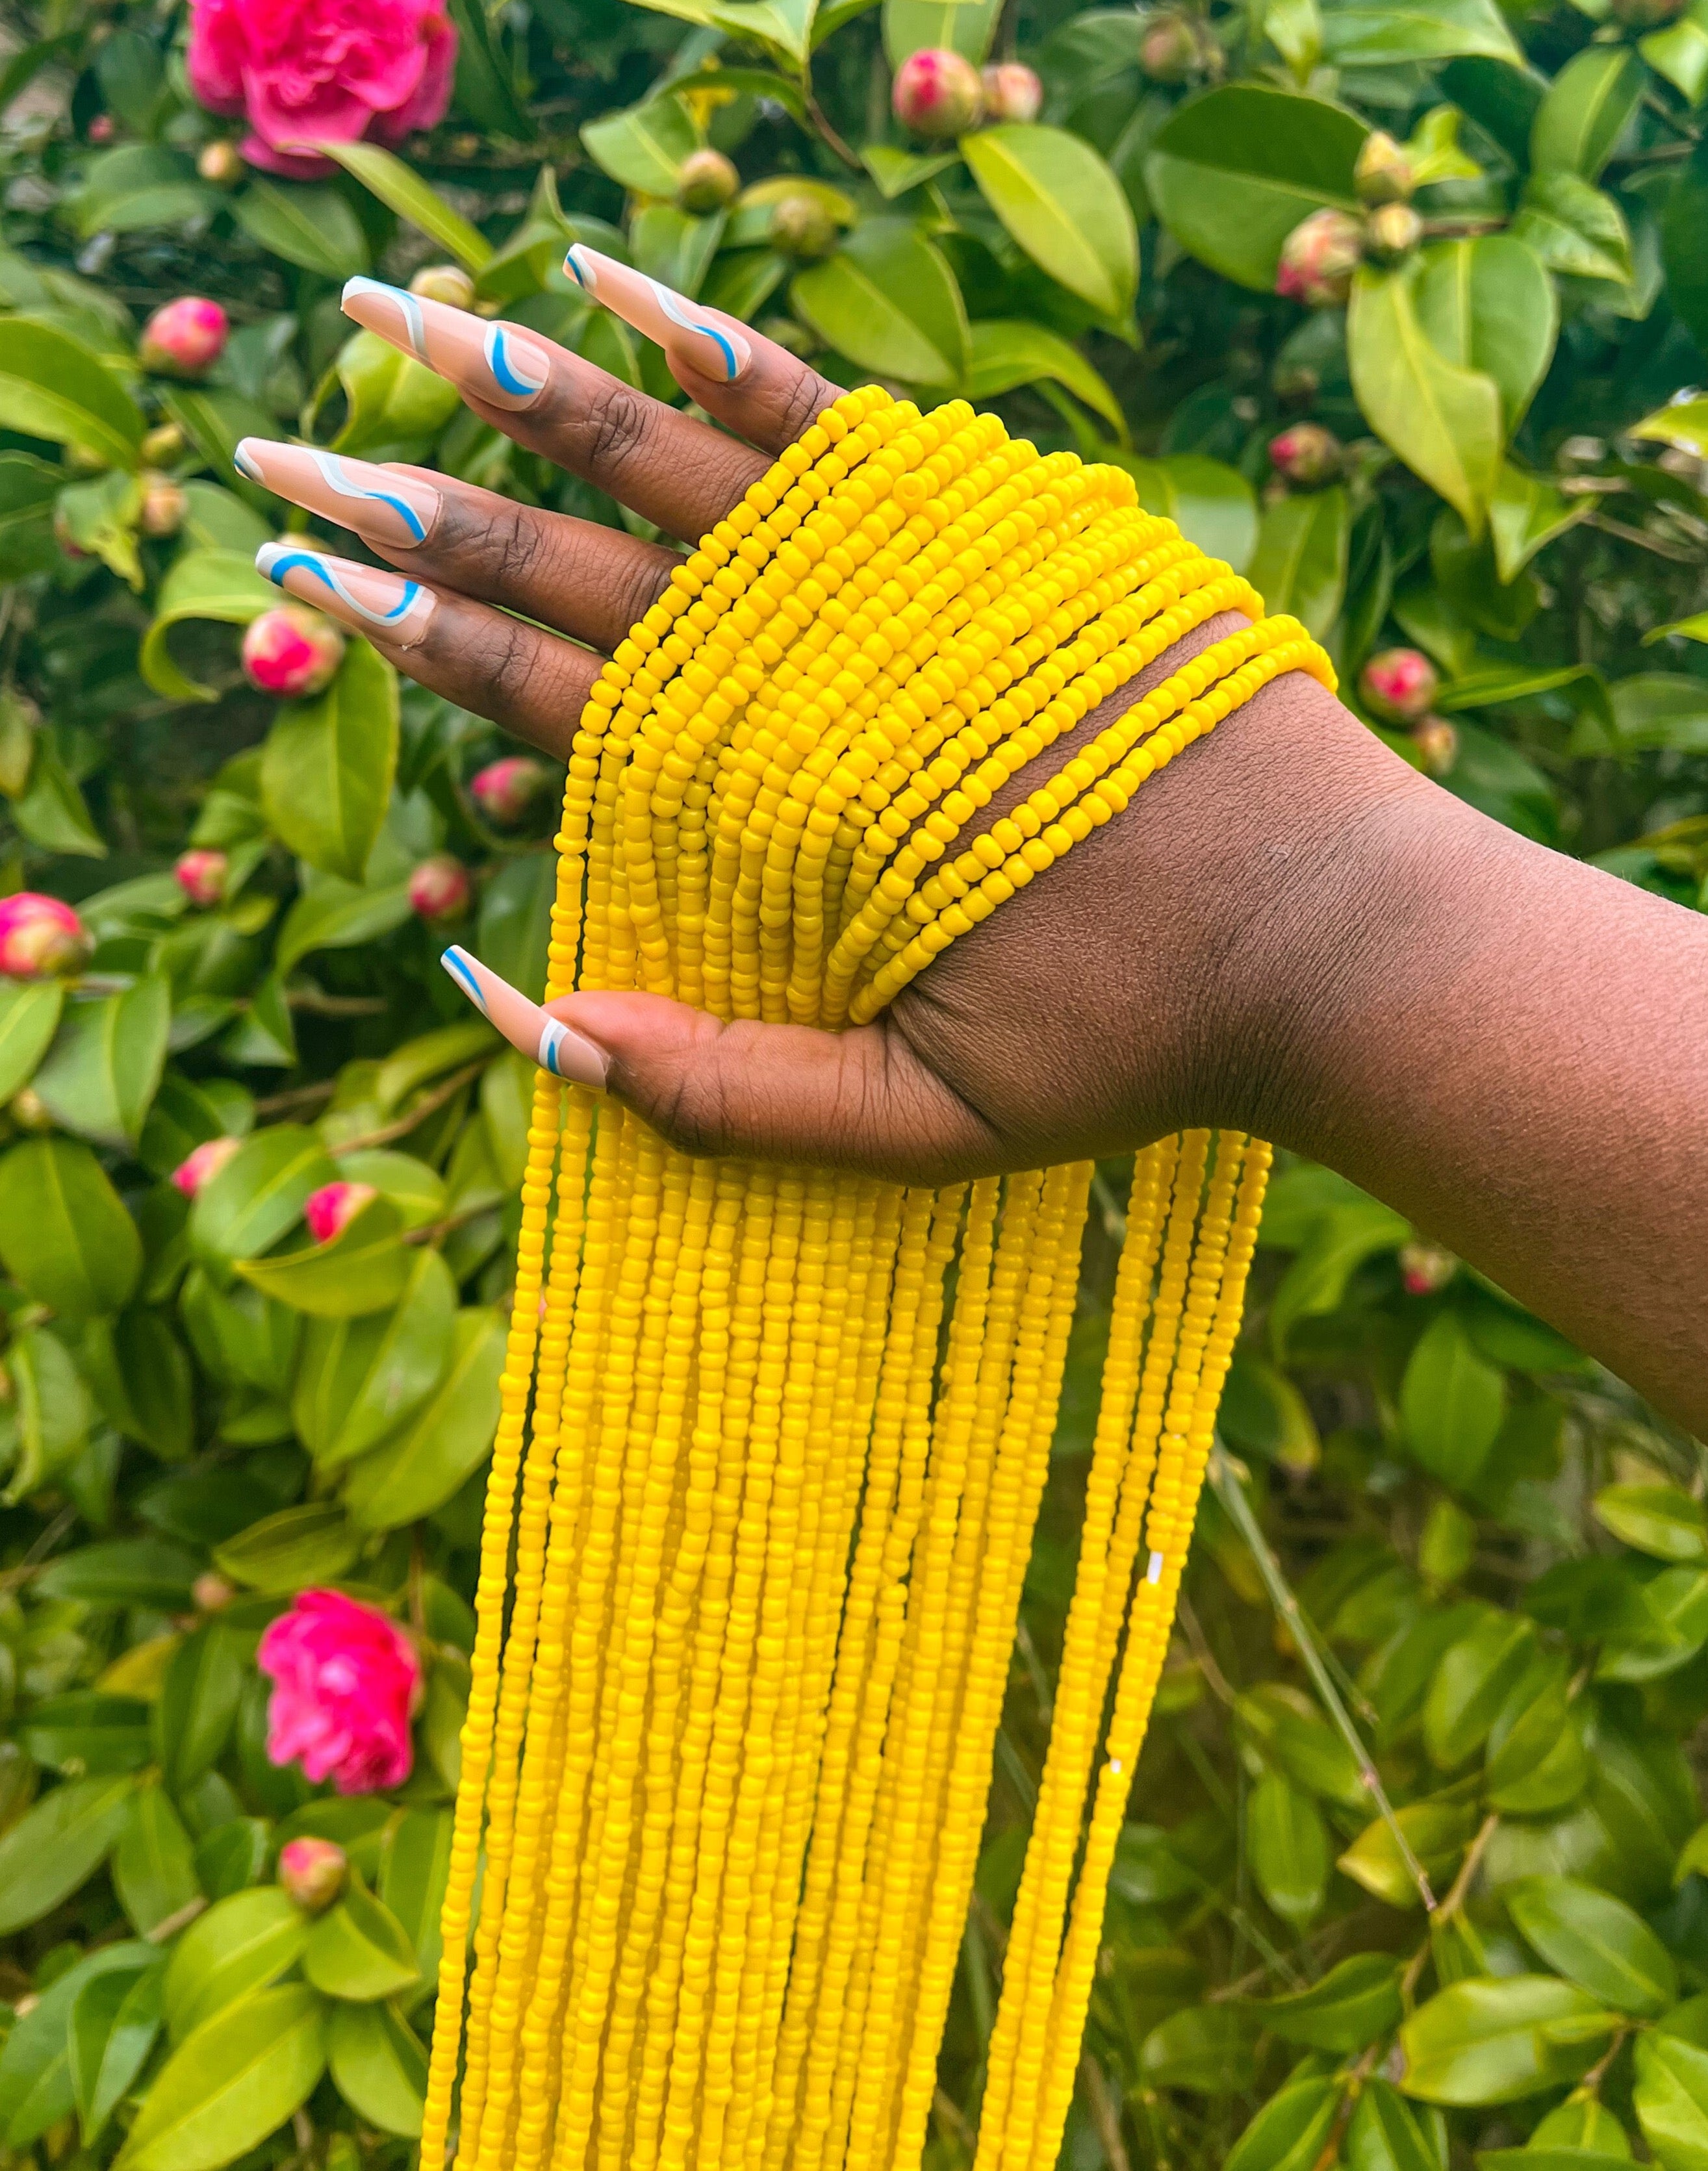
[[276, 560], [456, 963], [669, 301], [408, 308], [333, 470], [503, 360]]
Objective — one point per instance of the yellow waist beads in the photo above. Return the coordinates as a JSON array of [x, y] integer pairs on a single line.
[[773, 1441]]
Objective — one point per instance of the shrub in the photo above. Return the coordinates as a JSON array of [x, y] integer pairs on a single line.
[[1396, 308]]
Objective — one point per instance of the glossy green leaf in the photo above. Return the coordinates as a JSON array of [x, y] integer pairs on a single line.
[[1537, 1760], [1287, 1845], [29, 1018], [404, 191], [1574, 227], [1299, 565], [1444, 421], [1589, 104], [340, 915], [236, 2080], [51, 1416], [1452, 1402], [1597, 1941], [422, 1465], [1670, 2101], [231, 1857], [1674, 1627], [1438, 1834], [380, 2066], [1355, 2003], [1195, 2049], [198, 1703], [1383, 2134], [64, 1234], [259, 1194], [153, 1864], [287, 1552], [36, 2090], [114, 2022], [363, 1269], [358, 1379], [312, 226], [105, 1068], [1059, 200], [52, 387], [1525, 516], [327, 768], [236, 1948], [1360, 35], [1486, 304], [1003, 353], [412, 1877], [1211, 503], [87, 1732], [396, 405], [965, 27], [888, 300], [1288, 2132], [644, 146], [1339, 1242], [55, 1845], [1679, 52], [1662, 1520], [1489, 2041], [217, 584], [1475, 1677], [359, 1950]]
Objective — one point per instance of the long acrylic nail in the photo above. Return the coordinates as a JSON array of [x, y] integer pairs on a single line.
[[500, 364], [364, 598], [678, 324], [535, 1031], [381, 506]]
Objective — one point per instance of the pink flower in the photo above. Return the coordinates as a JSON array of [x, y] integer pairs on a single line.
[[1307, 454], [186, 337], [1319, 257], [40, 937], [301, 70], [330, 1210], [101, 128], [1425, 1267], [292, 651], [438, 888], [313, 1872], [1399, 684], [345, 1682], [937, 93], [504, 790], [201, 875], [203, 1164], [1013, 92]]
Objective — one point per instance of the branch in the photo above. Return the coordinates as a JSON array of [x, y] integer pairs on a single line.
[[448, 1090]]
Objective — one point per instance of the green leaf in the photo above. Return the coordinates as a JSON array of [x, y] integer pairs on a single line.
[[1680, 52], [238, 1947], [198, 1703], [1288, 2132], [63, 1839], [1681, 224], [412, 1877], [1525, 516], [1211, 503], [287, 1552], [1670, 2101], [114, 2021], [1537, 1760], [359, 1950], [153, 1864], [643, 146], [1438, 1834], [420, 1467], [1486, 2041], [1452, 1402], [1595, 1941], [52, 812], [1287, 1844], [359, 1378], [236, 2080], [339, 915], [1384, 2135], [1573, 228], [1472, 1683], [1675, 1627], [142, 1379], [888, 300], [29, 1018], [104, 1070], [896, 172], [1300, 562], [1487, 304], [221, 585], [1662, 1521], [380, 2066], [1355, 2004], [138, 186], [396, 405], [89, 1731], [404, 191], [28, 489], [1003, 353], [312, 226], [52, 387], [328, 765], [1233, 172], [232, 1857], [64, 1235], [1339, 1242], [1443, 422], [1058, 198], [151, 1572], [35, 2078], [258, 1195], [363, 1268], [674, 245], [1589, 106], [1364, 35], [965, 27], [1196, 2049]]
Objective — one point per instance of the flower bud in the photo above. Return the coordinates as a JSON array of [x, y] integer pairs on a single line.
[[1170, 50], [1307, 455], [1319, 257], [1648, 15], [291, 651], [802, 227], [200, 875], [40, 939], [1399, 684], [220, 163], [101, 128], [1382, 173], [505, 789], [1012, 92], [1437, 745], [185, 337], [439, 888], [28, 1111], [211, 1593], [937, 93], [445, 283], [706, 181], [313, 1872], [1392, 232], [163, 444], [1425, 1267], [163, 506], [330, 1210], [202, 1164]]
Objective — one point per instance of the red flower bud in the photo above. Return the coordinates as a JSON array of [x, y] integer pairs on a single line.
[[164, 507], [1013, 92], [706, 181], [211, 1592], [1170, 50], [1437, 745], [1307, 455], [200, 875], [505, 789], [292, 651], [1399, 684], [1319, 257], [101, 128], [313, 1872], [201, 1165], [40, 939], [937, 93], [1382, 173], [330, 1210], [185, 337], [1425, 1267], [445, 283], [803, 227], [439, 888]]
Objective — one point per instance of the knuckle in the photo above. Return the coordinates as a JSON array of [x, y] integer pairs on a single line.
[[510, 672], [618, 426], [799, 402]]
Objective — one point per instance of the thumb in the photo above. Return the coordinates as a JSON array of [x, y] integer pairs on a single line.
[[861, 1100]]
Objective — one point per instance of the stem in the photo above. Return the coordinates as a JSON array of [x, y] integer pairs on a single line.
[[1680, 557], [820, 120], [448, 1090], [295, 1098], [1105, 2113], [1232, 1495], [174, 1923], [322, 1005]]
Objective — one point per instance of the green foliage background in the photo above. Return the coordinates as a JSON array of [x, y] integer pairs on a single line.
[[1414, 1875]]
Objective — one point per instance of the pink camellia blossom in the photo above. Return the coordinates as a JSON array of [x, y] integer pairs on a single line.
[[937, 93], [504, 790], [1319, 257], [1399, 684], [202, 1164], [439, 888], [40, 939], [185, 337], [334, 71], [313, 1872], [1306, 454], [1013, 92], [1425, 1267], [330, 1210], [292, 651], [345, 1683], [200, 875]]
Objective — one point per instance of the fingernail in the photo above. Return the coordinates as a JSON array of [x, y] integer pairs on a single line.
[[382, 508], [364, 598], [663, 314], [543, 1038], [500, 364]]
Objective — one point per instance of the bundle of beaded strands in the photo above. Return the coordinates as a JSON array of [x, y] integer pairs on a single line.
[[762, 1495]]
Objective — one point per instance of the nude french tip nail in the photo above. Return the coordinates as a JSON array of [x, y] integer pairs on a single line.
[[531, 1030], [660, 313], [366, 598], [397, 511], [499, 363]]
